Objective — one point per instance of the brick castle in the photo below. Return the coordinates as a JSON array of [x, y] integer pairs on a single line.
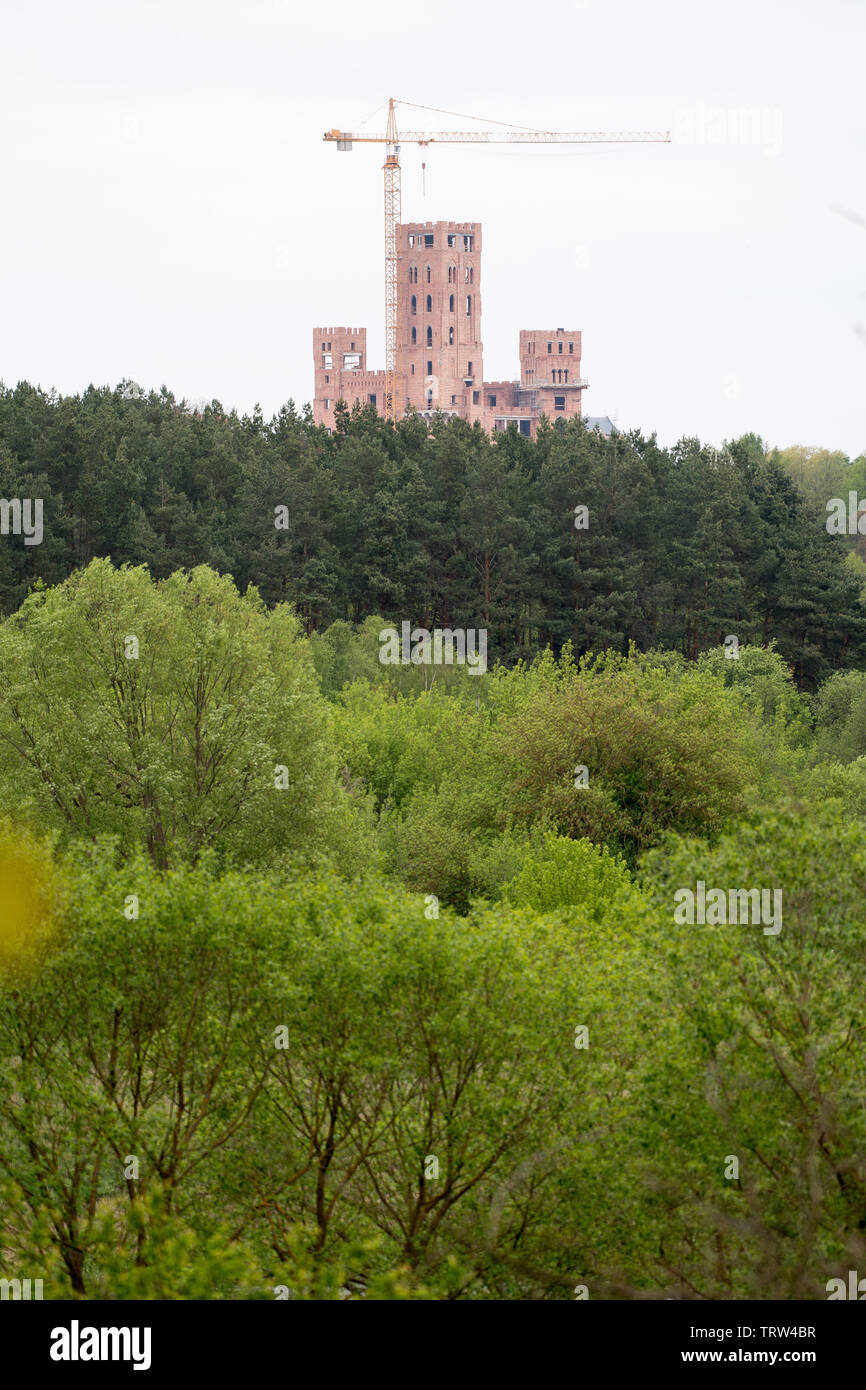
[[440, 354]]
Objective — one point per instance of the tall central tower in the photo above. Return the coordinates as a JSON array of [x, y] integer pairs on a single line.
[[439, 317]]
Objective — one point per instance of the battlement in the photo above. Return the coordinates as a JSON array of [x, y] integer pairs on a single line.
[[447, 226], [339, 332]]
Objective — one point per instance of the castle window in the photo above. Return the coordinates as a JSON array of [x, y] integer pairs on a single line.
[[559, 402], [549, 347], [413, 368], [453, 400], [429, 304], [351, 361], [327, 403], [414, 304], [429, 368], [428, 238], [476, 397], [428, 275], [559, 345], [452, 239], [327, 378], [451, 303], [491, 400], [411, 239], [429, 336], [571, 347], [467, 243], [566, 376], [414, 335], [329, 361], [526, 427], [451, 335], [372, 400], [469, 303]]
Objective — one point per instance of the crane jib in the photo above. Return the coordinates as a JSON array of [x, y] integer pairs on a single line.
[[345, 138]]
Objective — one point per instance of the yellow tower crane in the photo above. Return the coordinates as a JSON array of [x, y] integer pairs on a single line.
[[508, 135]]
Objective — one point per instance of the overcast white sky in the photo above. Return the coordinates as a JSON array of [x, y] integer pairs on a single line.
[[171, 213]]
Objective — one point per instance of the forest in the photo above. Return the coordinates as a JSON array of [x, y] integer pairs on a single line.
[[323, 978], [682, 546]]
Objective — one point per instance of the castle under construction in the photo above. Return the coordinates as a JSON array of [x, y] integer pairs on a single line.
[[440, 353]]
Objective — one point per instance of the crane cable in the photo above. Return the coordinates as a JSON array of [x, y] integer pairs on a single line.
[[464, 117]]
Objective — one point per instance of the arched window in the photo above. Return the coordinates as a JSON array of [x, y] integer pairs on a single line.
[[451, 303], [429, 304], [429, 336], [451, 334], [469, 303], [428, 275], [414, 304], [414, 335]]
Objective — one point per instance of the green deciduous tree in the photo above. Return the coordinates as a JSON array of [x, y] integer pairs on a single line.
[[176, 715]]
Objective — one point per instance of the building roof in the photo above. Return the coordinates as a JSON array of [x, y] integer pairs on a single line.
[[599, 422]]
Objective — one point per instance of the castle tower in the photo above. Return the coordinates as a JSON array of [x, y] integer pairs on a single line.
[[340, 359], [550, 370], [439, 317]]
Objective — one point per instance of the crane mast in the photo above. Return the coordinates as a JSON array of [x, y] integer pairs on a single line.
[[392, 217], [508, 136]]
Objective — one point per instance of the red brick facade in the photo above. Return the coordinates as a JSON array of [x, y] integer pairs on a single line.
[[440, 354]]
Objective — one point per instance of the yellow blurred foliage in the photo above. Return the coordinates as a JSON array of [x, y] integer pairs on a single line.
[[29, 892]]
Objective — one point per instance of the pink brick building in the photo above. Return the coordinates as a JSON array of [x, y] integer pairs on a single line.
[[440, 353]]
